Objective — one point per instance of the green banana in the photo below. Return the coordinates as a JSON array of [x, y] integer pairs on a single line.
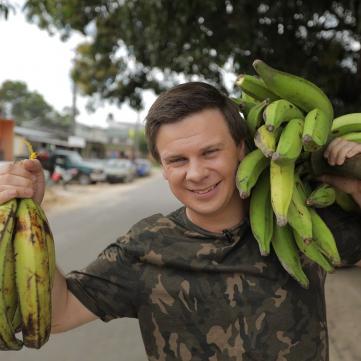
[[352, 137], [278, 112], [250, 168], [255, 87], [266, 141], [287, 253], [255, 117], [348, 123], [8, 296], [244, 105], [299, 216], [32, 274], [322, 196], [299, 91], [316, 130], [289, 146], [324, 239], [282, 180], [311, 250], [346, 202], [261, 214]]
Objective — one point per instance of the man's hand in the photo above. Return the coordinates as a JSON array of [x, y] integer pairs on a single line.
[[23, 179], [336, 153]]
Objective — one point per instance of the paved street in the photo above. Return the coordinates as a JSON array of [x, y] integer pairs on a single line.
[[86, 219]]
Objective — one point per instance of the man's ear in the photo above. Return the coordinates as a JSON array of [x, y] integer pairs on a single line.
[[241, 150]]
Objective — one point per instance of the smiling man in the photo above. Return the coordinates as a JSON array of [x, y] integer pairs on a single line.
[[194, 278]]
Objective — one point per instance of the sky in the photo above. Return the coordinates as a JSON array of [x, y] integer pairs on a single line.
[[43, 62]]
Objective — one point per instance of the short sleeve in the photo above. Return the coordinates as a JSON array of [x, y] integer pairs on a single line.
[[346, 228], [107, 286]]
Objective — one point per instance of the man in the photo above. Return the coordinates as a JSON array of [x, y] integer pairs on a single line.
[[195, 278]]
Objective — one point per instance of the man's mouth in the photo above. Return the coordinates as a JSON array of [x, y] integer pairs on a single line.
[[205, 190]]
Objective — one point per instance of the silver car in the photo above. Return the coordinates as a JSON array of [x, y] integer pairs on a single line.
[[119, 170]]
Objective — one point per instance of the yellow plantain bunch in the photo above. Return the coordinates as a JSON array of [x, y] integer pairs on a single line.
[[290, 121]]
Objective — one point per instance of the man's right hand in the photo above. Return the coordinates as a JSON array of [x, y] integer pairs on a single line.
[[22, 179]]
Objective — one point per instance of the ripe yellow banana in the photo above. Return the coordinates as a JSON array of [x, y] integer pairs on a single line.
[[287, 253], [289, 146], [255, 87], [282, 180], [255, 117], [316, 130], [299, 91], [348, 123], [250, 168], [322, 196], [32, 274], [324, 239], [312, 251], [261, 214], [266, 141], [8, 296], [299, 216]]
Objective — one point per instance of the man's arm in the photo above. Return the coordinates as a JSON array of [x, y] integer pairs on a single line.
[[67, 311]]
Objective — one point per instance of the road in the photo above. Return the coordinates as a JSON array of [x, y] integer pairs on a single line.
[[88, 218]]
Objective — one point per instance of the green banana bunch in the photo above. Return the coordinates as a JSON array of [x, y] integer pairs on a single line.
[[255, 87], [300, 92], [287, 253], [278, 112], [322, 196], [289, 146], [8, 295], [316, 130], [281, 179], [255, 117], [252, 165], [266, 141], [32, 273], [261, 215], [348, 123], [352, 137]]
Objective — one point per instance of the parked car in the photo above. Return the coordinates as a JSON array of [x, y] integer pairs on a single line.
[[86, 172], [143, 166], [120, 170]]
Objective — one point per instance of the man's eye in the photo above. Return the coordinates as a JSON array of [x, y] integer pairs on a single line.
[[176, 160], [210, 151]]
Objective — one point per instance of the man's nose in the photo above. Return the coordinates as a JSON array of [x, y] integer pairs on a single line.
[[196, 171]]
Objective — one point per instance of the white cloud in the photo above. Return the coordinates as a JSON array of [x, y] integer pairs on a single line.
[[43, 62]]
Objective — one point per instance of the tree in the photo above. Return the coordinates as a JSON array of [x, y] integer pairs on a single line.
[[152, 44], [28, 107]]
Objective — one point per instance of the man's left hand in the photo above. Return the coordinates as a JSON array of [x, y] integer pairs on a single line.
[[336, 153]]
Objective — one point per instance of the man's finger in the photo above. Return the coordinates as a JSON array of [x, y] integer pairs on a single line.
[[341, 155]]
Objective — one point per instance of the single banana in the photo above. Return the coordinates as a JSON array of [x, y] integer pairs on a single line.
[[255, 87], [322, 196], [312, 252], [316, 130], [289, 146], [299, 91], [250, 168], [32, 274], [348, 123], [255, 117], [287, 253], [352, 137], [261, 214], [346, 202], [8, 296], [324, 238], [282, 180], [266, 141], [299, 216], [278, 112]]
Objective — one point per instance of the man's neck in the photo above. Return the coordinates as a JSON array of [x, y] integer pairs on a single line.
[[224, 220]]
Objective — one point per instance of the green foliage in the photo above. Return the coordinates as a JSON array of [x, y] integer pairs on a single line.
[[146, 44], [19, 103]]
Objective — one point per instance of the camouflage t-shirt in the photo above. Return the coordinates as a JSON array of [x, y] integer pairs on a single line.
[[211, 296]]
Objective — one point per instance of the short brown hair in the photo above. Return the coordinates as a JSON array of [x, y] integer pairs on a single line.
[[185, 99]]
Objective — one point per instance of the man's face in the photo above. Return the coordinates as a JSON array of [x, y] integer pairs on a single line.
[[199, 159]]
